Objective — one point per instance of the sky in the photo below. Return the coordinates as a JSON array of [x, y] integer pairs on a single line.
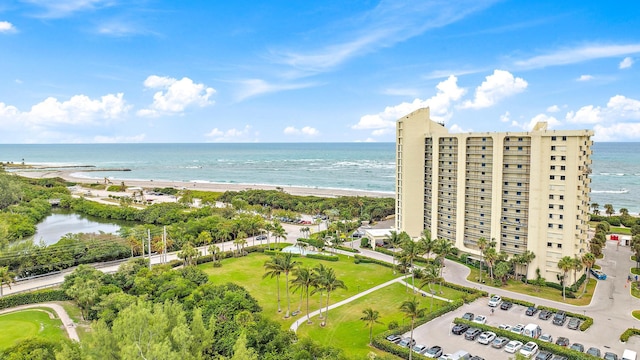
[[126, 71]]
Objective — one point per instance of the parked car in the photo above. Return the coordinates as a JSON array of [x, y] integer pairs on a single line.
[[480, 319], [506, 305], [468, 316], [394, 338], [419, 348], [594, 351], [459, 329], [499, 342], [574, 323], [529, 349], [577, 347], [559, 357], [517, 329], [598, 274], [531, 310], [495, 301], [486, 337], [407, 342], [472, 333], [610, 356], [559, 318], [545, 315], [476, 357], [261, 237], [562, 341], [544, 355], [504, 327], [433, 352], [512, 346], [546, 338]]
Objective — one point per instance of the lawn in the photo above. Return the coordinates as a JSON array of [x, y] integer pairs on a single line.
[[635, 289], [23, 324], [542, 292], [636, 314], [346, 331], [247, 271], [82, 326]]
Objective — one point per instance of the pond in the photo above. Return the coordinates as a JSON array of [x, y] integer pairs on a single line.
[[58, 224]]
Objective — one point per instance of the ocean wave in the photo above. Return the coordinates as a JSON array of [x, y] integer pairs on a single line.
[[612, 174], [621, 191]]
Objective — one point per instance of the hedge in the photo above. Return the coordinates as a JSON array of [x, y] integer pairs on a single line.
[[380, 341], [465, 289], [518, 301], [629, 333], [357, 259], [33, 297], [323, 257], [586, 320], [551, 347], [348, 249], [418, 260]]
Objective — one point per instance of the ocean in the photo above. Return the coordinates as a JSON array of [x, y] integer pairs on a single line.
[[353, 166]]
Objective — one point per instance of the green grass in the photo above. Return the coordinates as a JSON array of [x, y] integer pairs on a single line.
[[620, 230], [346, 331], [23, 324], [636, 314], [635, 270], [82, 326], [247, 272], [542, 292], [635, 289]]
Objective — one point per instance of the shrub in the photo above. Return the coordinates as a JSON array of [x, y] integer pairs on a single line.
[[624, 337], [519, 302], [347, 249], [392, 325], [364, 243], [323, 257], [33, 297], [365, 260]]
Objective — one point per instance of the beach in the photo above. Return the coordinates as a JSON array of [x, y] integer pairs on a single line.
[[71, 176]]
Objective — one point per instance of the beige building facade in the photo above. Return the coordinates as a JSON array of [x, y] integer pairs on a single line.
[[525, 190]]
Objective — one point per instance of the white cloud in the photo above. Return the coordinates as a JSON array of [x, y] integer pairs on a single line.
[[231, 135], [611, 120], [62, 8], [617, 132], [577, 55], [439, 104], [176, 95], [380, 132], [307, 130], [455, 128], [553, 109], [624, 107], [6, 27], [551, 121], [118, 139], [78, 110], [8, 110], [585, 115], [254, 87], [626, 63], [499, 85], [506, 117], [585, 78]]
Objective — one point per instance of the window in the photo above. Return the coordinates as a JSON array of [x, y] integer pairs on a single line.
[[519, 184], [550, 225], [506, 148], [519, 166], [552, 177], [553, 158], [519, 139], [563, 158], [518, 193], [561, 216], [519, 148], [559, 246], [553, 138], [550, 197], [564, 138], [518, 202], [559, 226], [561, 197], [562, 177], [553, 167], [484, 148], [506, 192], [550, 216], [561, 207], [550, 206], [563, 167], [553, 148], [506, 165], [549, 244]]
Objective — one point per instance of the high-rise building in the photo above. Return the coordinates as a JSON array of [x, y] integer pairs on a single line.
[[525, 190]]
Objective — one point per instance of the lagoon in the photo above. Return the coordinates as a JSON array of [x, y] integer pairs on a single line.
[[58, 224]]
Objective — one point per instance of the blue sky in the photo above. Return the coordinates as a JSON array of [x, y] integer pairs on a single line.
[[94, 71]]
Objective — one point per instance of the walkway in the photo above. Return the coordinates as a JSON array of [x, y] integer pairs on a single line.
[[68, 324]]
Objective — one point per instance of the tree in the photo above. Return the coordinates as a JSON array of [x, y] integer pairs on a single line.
[[502, 270], [482, 244], [491, 256], [204, 238], [241, 351], [394, 239], [426, 242], [430, 275], [214, 251], [624, 211], [565, 264], [279, 232], [588, 260], [577, 266], [189, 254], [318, 280], [527, 258], [370, 318], [411, 309], [595, 207], [6, 278], [268, 227], [609, 209], [273, 268], [303, 281], [306, 232], [410, 251], [331, 283], [287, 264], [442, 248]]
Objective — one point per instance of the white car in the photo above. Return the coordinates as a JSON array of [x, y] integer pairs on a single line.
[[546, 338], [517, 329], [495, 301], [486, 337], [513, 346], [419, 348], [504, 327], [529, 349], [480, 319]]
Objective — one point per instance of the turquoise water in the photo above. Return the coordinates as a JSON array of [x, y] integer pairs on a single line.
[[356, 166]]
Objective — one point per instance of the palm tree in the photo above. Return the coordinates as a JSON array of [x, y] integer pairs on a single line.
[[279, 232], [268, 227], [595, 207], [287, 264], [426, 242], [609, 209], [189, 254], [482, 244], [318, 278], [303, 281], [204, 238], [6, 278], [394, 239], [411, 309], [491, 255], [370, 318], [214, 251], [442, 248], [565, 264], [331, 283], [502, 270], [410, 251], [430, 275], [273, 268], [527, 258], [624, 211], [577, 266], [588, 260], [305, 232]]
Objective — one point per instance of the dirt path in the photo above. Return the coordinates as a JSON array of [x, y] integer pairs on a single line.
[[68, 324]]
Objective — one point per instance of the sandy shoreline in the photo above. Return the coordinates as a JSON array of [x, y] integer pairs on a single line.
[[293, 190]]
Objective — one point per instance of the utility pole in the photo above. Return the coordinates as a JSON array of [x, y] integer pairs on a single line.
[[164, 244], [149, 243]]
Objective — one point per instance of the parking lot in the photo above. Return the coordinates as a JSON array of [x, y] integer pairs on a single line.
[[438, 331]]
